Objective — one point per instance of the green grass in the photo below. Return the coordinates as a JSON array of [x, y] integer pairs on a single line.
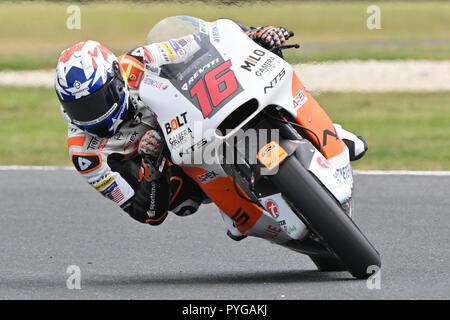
[[404, 130], [33, 34], [408, 131], [32, 129]]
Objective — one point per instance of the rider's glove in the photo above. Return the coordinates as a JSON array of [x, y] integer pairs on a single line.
[[269, 36], [150, 148], [151, 144]]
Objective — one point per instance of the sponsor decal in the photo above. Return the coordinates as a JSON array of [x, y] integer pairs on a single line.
[[148, 57], [152, 197], [207, 177], [285, 227], [327, 133], [272, 231], [164, 54], [118, 136], [272, 208], [215, 32], [240, 217], [180, 138], [197, 73], [267, 67], [86, 162], [137, 119], [169, 50], [96, 143], [142, 54], [344, 172], [197, 145], [155, 83], [291, 229], [131, 140], [275, 80], [180, 51], [207, 81], [113, 193], [153, 68], [93, 143], [324, 163], [202, 26], [104, 183], [183, 41], [299, 100], [252, 60], [176, 123], [271, 155]]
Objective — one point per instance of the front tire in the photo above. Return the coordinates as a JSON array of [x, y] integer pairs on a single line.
[[326, 218], [328, 263]]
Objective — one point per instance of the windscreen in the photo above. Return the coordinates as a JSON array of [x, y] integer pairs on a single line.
[[175, 27]]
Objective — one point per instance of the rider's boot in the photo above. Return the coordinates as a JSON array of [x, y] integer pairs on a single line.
[[356, 145], [232, 231]]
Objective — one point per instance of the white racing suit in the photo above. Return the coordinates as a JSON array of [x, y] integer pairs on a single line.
[[111, 165]]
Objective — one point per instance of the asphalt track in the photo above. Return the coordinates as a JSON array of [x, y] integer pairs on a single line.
[[52, 219]]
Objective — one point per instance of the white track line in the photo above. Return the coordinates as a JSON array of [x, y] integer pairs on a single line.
[[400, 172], [356, 172], [36, 168]]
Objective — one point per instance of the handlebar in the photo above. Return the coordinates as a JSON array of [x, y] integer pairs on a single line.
[[287, 46]]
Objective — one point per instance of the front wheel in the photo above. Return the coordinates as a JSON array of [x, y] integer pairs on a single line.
[[328, 263], [326, 218]]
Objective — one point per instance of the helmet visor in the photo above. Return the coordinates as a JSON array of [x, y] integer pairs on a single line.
[[97, 106]]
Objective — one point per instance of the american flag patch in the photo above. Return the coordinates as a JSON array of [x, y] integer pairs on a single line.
[[113, 192], [117, 195]]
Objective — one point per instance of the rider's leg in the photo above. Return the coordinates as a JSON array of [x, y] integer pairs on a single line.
[[186, 196], [232, 231], [356, 145]]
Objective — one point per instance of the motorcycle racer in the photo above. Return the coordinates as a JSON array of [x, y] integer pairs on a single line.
[[114, 140]]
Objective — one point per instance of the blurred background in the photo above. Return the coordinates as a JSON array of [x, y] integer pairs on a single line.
[[379, 68]]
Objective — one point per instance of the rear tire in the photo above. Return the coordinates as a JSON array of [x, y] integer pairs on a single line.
[[326, 218]]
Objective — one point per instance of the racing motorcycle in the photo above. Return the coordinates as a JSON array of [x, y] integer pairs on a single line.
[[289, 181]]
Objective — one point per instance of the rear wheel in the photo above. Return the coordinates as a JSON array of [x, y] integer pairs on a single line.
[[327, 219]]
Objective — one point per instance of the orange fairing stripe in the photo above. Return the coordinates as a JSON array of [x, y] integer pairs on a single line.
[[222, 192], [75, 141], [312, 116]]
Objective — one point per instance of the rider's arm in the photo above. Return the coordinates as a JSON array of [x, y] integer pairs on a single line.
[[93, 166], [172, 51], [150, 58], [145, 201]]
